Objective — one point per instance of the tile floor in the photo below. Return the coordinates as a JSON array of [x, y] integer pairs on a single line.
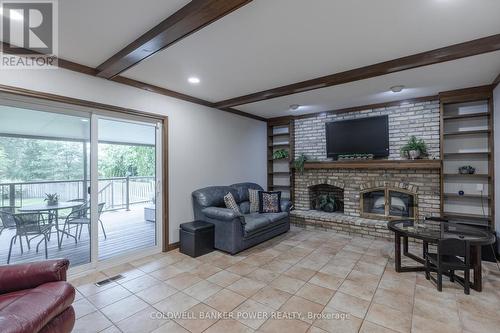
[[348, 283]]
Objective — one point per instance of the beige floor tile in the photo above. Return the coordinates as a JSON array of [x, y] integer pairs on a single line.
[[156, 293], [202, 290], [308, 310], [369, 268], [258, 260], [284, 325], [246, 287], [252, 313], [83, 307], [170, 327], [143, 321], [338, 271], [140, 283], [91, 289], [225, 261], [111, 329], [426, 325], [187, 264], [201, 317], [288, 284], [91, 323], [109, 296], [241, 268], [326, 281], [166, 273], [263, 275], [176, 303], [344, 324], [225, 300], [368, 281], [369, 327], [277, 266], [474, 324], [183, 281], [314, 329], [204, 271], [349, 304], [394, 300], [389, 317], [354, 289], [230, 326], [300, 273], [124, 308], [315, 293], [443, 310], [88, 279], [272, 297], [224, 278]]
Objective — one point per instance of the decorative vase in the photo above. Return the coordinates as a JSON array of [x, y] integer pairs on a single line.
[[414, 154], [52, 202]]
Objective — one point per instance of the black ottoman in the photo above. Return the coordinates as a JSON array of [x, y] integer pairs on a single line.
[[197, 238]]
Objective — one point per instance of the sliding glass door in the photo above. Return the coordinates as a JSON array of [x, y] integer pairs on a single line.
[[127, 193], [82, 185]]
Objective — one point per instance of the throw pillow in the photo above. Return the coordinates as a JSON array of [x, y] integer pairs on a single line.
[[269, 202], [231, 203], [253, 196]]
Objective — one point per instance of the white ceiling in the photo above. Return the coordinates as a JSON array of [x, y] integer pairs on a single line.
[[91, 31], [269, 43], [424, 81]]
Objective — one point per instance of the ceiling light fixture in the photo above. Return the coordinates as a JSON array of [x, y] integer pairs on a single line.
[[84, 120], [397, 89], [294, 107], [194, 80]]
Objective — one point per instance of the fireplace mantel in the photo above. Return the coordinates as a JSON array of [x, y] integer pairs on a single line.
[[376, 164]]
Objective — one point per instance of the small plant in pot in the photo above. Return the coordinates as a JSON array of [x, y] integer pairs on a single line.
[[415, 148], [51, 199], [299, 163], [280, 154]]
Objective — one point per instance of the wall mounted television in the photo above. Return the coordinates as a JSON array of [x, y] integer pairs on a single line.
[[358, 136]]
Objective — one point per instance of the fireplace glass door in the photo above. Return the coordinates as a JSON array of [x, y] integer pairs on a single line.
[[388, 203]]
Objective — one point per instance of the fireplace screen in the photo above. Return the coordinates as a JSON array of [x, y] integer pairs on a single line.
[[388, 203]]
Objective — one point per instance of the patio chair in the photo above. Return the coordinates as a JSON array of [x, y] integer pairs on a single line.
[[32, 225], [6, 220], [81, 217]]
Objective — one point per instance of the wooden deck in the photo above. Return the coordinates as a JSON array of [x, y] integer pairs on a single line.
[[126, 231]]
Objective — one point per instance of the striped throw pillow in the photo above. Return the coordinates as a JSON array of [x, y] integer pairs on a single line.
[[253, 196]]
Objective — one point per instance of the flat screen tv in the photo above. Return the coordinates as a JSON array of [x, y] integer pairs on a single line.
[[358, 136]]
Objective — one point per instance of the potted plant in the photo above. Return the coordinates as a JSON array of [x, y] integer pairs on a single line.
[[415, 148], [299, 163], [52, 199], [280, 154]]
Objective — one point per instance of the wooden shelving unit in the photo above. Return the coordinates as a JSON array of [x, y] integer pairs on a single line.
[[467, 139], [280, 135]]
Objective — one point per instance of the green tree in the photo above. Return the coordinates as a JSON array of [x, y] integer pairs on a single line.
[[121, 160]]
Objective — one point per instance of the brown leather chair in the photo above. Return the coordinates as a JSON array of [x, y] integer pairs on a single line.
[[35, 297]]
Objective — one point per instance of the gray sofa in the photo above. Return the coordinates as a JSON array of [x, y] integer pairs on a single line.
[[235, 233]]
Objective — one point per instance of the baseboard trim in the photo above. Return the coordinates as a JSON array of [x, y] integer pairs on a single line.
[[173, 246]]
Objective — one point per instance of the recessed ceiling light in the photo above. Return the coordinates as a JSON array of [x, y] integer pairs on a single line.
[[397, 89], [294, 107], [194, 80], [84, 120]]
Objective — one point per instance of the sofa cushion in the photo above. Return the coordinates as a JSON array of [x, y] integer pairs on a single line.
[[275, 217], [253, 196], [213, 196], [242, 190], [269, 202], [255, 222], [245, 207], [30, 310]]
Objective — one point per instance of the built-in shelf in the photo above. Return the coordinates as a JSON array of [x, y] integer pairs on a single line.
[[279, 173], [376, 164], [279, 134], [470, 176], [280, 145], [466, 216], [467, 116], [468, 154], [466, 132], [466, 196], [280, 187]]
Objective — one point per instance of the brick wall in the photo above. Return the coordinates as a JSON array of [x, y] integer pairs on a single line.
[[419, 119]]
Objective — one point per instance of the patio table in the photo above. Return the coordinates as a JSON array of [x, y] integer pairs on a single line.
[[430, 232], [55, 210]]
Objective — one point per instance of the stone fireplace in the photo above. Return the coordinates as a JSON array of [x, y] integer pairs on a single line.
[[326, 197]]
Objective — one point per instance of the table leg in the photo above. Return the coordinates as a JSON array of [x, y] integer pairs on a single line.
[[478, 273], [56, 214], [397, 251]]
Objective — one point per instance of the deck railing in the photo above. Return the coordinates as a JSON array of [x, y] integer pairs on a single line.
[[116, 192]]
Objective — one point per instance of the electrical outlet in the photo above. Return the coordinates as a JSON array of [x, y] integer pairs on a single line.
[[480, 187]]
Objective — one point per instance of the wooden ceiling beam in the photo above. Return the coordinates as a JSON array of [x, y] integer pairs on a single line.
[[192, 17], [449, 53]]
